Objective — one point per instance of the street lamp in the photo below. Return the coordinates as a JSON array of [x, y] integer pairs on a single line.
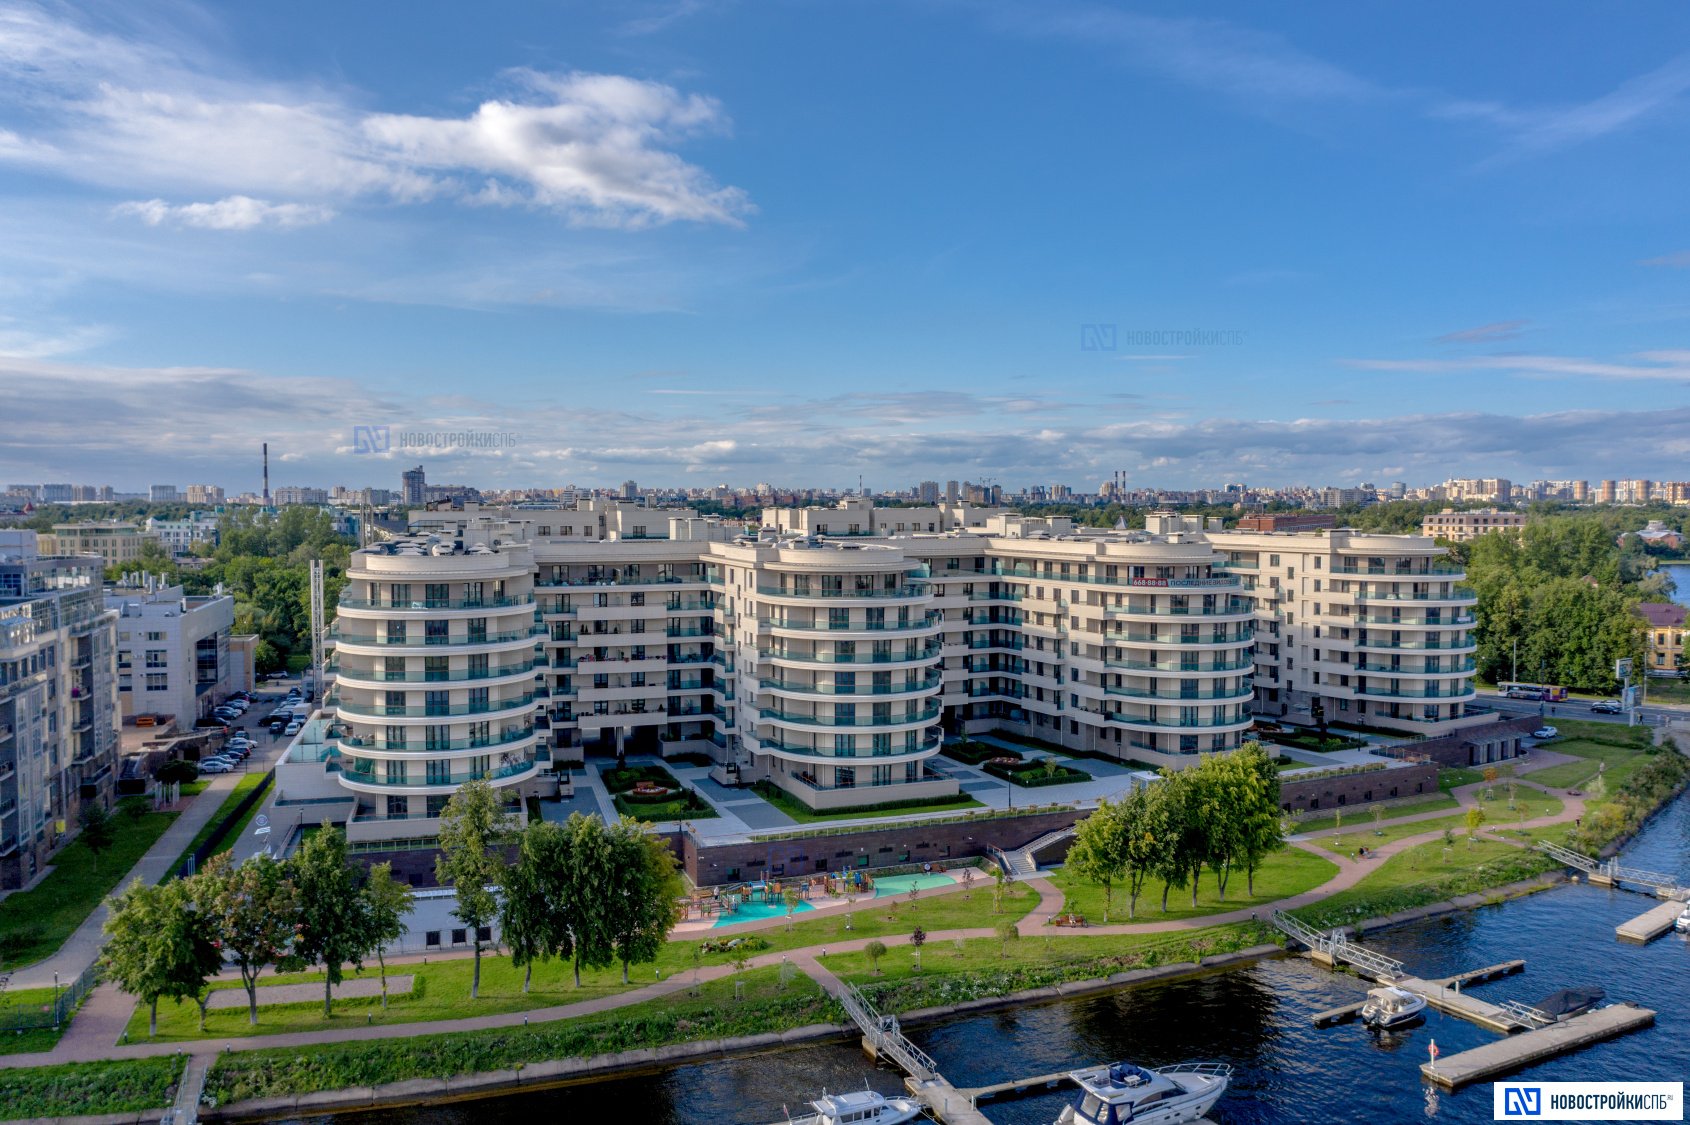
[[55, 1001]]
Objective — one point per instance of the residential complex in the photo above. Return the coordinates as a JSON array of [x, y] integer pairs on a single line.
[[116, 542], [58, 701], [1459, 527], [172, 650]]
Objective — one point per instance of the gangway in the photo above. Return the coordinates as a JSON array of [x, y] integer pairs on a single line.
[[1528, 1016], [1613, 871], [887, 1039], [1336, 947]]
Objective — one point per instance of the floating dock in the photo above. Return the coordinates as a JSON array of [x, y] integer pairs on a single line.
[[1348, 1012], [1021, 1087], [1648, 926], [1504, 1055]]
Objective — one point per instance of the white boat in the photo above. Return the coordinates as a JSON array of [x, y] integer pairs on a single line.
[[1682, 925], [1115, 1095], [861, 1107], [1390, 1006]]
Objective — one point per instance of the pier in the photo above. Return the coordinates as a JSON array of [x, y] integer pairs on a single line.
[[1612, 873], [1651, 924], [1516, 1051], [1348, 1012]]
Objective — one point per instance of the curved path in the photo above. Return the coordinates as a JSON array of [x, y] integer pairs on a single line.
[[95, 1031]]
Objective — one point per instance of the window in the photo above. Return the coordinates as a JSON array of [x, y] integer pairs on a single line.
[[431, 939]]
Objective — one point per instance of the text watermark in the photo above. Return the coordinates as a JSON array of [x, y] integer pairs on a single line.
[[384, 439], [1112, 337]]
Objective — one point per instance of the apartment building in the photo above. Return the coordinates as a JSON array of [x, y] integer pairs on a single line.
[[180, 536], [58, 702], [173, 653], [1664, 629], [116, 542], [1373, 627], [1459, 527]]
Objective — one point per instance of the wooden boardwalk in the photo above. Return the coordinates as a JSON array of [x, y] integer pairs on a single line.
[[1651, 924], [1504, 1055]]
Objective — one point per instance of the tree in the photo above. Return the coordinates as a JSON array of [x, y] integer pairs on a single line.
[[1098, 853], [177, 772], [472, 830], [98, 831], [874, 951], [334, 916], [251, 912], [1007, 932], [155, 947], [584, 894], [1377, 811], [1475, 817], [1222, 791], [1260, 832], [918, 938], [388, 902], [530, 920], [645, 902], [791, 899], [1138, 842], [998, 881]]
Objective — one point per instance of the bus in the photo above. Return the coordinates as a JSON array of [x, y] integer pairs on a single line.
[[1547, 693]]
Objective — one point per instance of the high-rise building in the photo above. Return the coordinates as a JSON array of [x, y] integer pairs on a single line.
[[953, 492], [205, 494], [163, 494], [414, 488], [927, 492], [1607, 492], [58, 701], [1459, 527]]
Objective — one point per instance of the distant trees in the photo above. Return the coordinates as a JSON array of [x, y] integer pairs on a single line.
[[1221, 814]]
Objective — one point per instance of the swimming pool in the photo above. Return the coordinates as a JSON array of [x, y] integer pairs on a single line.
[[901, 884], [759, 912]]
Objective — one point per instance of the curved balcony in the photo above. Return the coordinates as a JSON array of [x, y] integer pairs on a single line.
[[859, 722], [1464, 668], [855, 631], [801, 690], [1240, 612], [369, 782], [1373, 692], [613, 583], [1213, 668], [1422, 623], [386, 646], [1437, 573], [1454, 597], [358, 710], [379, 678], [411, 746], [925, 655], [1232, 696], [1211, 584], [1206, 641], [906, 592], [1140, 722], [796, 752], [1469, 645], [438, 603]]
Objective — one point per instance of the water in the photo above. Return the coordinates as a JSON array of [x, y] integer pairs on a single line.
[[1256, 1018], [1680, 573]]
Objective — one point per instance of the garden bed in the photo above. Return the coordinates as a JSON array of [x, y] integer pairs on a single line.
[[1033, 775]]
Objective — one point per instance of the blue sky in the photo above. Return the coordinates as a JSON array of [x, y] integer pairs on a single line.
[[698, 242]]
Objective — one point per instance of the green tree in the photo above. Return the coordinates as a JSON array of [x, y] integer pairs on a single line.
[[1007, 932], [155, 947], [334, 924], [1259, 832], [531, 921], [874, 951], [388, 901], [98, 832], [250, 911], [584, 894], [645, 903], [1138, 842], [1099, 851], [473, 831], [1474, 818]]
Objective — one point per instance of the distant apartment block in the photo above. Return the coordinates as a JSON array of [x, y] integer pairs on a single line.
[[116, 542], [294, 494], [1664, 628], [1288, 521], [163, 494], [172, 650], [205, 494], [1459, 527], [58, 701], [179, 537]]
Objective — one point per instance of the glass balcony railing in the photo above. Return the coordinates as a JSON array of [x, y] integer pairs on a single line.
[[453, 676], [905, 688], [432, 781], [925, 715], [912, 590], [412, 640], [466, 710], [438, 746], [441, 603]]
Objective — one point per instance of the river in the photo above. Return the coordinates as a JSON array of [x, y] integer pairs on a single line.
[[1680, 573], [1255, 1017]]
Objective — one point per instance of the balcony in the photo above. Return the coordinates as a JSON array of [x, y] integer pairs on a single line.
[[926, 715], [917, 590], [1462, 667], [440, 603], [1241, 609], [776, 746], [1232, 696], [1423, 622], [1066, 579], [361, 777], [926, 653], [1140, 722], [434, 746], [1418, 646], [411, 641], [349, 707], [907, 688], [1457, 597], [1205, 640], [598, 583], [1179, 666], [1452, 573], [1376, 692], [453, 676]]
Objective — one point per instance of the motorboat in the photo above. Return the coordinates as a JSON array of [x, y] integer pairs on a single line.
[[1391, 1006], [1123, 1092], [860, 1107], [1682, 925], [1568, 1002]]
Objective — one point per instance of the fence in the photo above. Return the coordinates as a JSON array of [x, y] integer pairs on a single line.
[[225, 825], [16, 1017]]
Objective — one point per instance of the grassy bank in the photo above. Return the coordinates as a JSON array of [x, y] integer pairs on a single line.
[[1356, 815], [441, 988], [125, 1086], [713, 1013], [953, 972], [245, 785], [33, 1002], [36, 922], [1290, 871], [1529, 804], [1424, 875]]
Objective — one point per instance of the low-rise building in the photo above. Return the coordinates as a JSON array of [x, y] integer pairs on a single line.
[[116, 542], [1459, 527], [172, 650], [1663, 626]]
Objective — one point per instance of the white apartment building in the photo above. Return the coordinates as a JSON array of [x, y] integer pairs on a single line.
[[58, 702], [179, 536], [1460, 527], [1372, 626], [172, 649]]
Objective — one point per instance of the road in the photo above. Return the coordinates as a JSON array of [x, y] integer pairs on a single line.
[[1652, 714]]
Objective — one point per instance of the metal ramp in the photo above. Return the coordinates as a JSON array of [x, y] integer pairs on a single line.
[[1338, 948], [886, 1037], [1568, 856], [1528, 1016], [1614, 870]]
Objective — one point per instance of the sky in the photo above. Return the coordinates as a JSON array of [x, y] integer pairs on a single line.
[[691, 242]]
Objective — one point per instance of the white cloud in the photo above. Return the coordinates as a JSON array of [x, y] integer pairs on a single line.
[[237, 212], [1662, 365], [1485, 333], [108, 111]]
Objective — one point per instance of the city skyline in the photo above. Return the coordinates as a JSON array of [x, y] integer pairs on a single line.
[[642, 243]]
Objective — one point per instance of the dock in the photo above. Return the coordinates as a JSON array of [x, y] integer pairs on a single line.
[[1348, 1012], [1453, 1002], [1529, 1047], [1020, 1087], [1651, 924]]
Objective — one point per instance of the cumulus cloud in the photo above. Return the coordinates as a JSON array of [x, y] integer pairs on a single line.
[[106, 110], [237, 212]]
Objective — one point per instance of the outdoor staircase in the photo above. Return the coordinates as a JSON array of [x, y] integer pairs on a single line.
[[1023, 861]]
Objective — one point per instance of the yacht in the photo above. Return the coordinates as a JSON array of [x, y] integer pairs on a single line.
[[861, 1107], [1682, 925], [1115, 1095], [1390, 1006]]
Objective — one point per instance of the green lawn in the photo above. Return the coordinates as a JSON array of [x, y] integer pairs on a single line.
[[245, 785], [1423, 875], [34, 923], [441, 989], [1357, 814], [126, 1086], [1458, 776], [1529, 802], [685, 806], [36, 1002], [1615, 758], [1287, 872], [804, 814]]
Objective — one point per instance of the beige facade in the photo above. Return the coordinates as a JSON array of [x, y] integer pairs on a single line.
[[116, 542], [1459, 527]]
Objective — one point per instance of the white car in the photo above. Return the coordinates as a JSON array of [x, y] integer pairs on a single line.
[[215, 765], [1545, 732], [294, 727]]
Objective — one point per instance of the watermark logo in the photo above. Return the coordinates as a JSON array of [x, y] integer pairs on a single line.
[[1097, 337], [371, 439], [1588, 1101], [1111, 337]]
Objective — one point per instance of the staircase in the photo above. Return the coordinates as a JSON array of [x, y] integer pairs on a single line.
[[1023, 861]]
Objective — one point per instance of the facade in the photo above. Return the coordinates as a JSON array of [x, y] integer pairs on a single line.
[[1287, 521], [179, 536], [205, 494], [1459, 527], [414, 487], [1664, 628], [172, 650], [116, 542], [58, 704], [434, 649], [1372, 627]]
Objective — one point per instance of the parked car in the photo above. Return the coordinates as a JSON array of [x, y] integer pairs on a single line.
[[215, 765], [294, 727], [1545, 732], [1607, 707], [241, 740]]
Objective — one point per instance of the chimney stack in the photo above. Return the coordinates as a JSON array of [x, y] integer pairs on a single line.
[[266, 473]]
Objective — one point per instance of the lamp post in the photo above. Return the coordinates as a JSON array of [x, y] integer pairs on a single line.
[[55, 1001]]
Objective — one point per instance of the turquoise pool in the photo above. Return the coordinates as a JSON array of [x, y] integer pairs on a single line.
[[758, 912], [901, 884]]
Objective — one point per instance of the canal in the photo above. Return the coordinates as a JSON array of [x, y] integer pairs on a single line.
[[1255, 1017]]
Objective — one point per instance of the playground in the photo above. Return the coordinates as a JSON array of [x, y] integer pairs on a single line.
[[759, 900]]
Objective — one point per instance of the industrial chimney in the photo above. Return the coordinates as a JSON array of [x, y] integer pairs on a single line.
[[266, 473]]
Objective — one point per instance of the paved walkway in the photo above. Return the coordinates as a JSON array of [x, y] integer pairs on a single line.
[[95, 1030]]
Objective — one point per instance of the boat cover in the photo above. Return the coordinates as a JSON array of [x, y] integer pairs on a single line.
[[1566, 1001]]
